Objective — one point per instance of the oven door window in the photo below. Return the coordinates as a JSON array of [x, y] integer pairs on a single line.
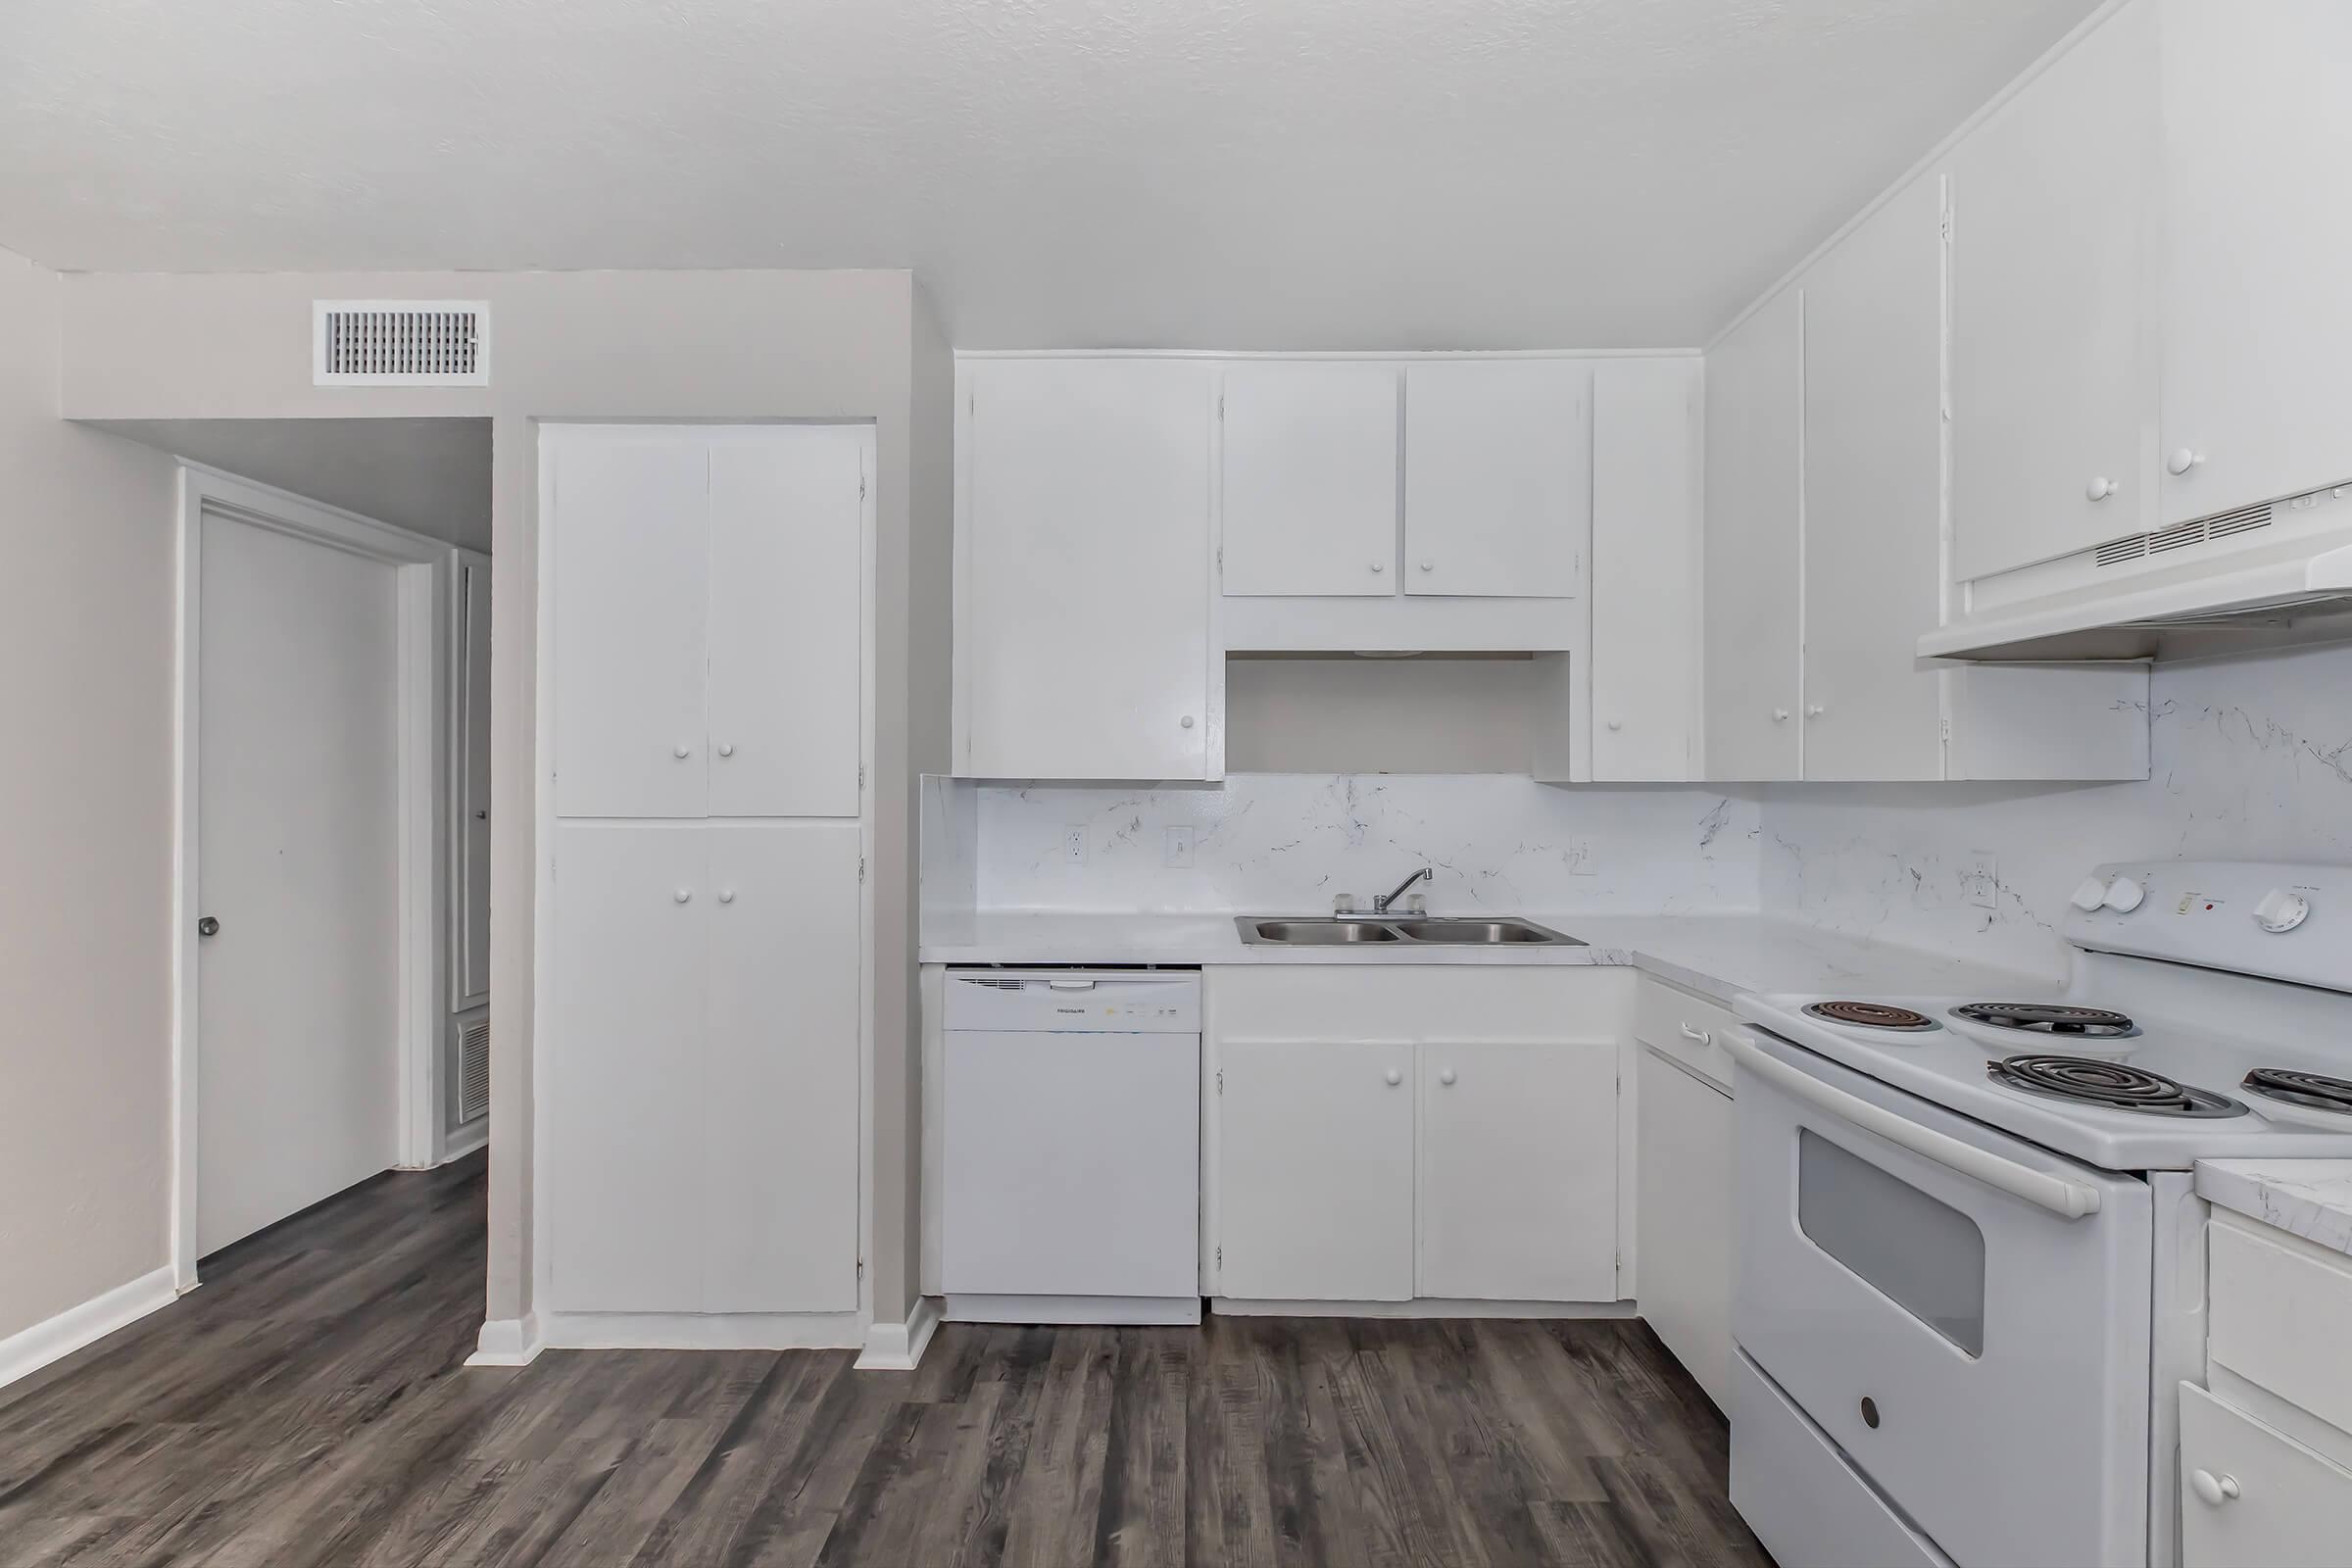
[[1918, 1251]]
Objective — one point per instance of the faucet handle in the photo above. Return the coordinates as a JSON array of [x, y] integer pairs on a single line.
[[1345, 903]]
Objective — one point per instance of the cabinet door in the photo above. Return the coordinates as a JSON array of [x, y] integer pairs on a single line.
[[624, 1054], [1682, 1204], [1518, 1182], [1874, 494], [1497, 478], [2257, 321], [1753, 681], [786, 548], [2053, 389], [629, 536], [1083, 643], [2265, 1498], [779, 1096], [1645, 569], [1309, 479], [1315, 1171]]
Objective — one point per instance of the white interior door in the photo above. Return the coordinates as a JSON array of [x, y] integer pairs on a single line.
[[1518, 1179], [1497, 478], [1754, 547], [785, 560], [298, 1047], [630, 542], [472, 912], [1315, 1171], [778, 1205], [1309, 479]]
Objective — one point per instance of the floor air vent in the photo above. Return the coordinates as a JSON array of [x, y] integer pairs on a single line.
[[473, 1071], [2184, 535], [399, 343]]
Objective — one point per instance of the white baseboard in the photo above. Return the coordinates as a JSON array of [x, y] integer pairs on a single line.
[[509, 1341], [466, 1140], [703, 1331], [29, 1350], [1421, 1306], [899, 1346]]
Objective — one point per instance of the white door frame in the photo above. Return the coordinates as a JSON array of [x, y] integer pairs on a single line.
[[422, 573]]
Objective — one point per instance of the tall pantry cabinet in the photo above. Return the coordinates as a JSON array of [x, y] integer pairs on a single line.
[[704, 693]]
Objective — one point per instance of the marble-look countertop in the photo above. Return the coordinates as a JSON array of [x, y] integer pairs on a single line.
[[2306, 1197], [1718, 956]]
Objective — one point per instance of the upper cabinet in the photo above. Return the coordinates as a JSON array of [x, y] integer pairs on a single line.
[[1082, 552], [2053, 372], [1644, 702], [1753, 565], [1309, 474], [1497, 478], [2256, 318]]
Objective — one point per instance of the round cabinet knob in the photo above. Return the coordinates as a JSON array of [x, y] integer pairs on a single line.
[[2213, 1489], [2125, 895], [678, 751], [2182, 460], [1780, 716], [2090, 894], [2281, 911], [1815, 710], [1379, 567], [1186, 721], [1394, 1077], [726, 750], [2101, 488], [1429, 565], [1447, 1077], [684, 895], [726, 895], [1616, 723]]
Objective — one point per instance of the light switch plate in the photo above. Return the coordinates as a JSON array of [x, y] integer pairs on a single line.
[[1073, 843], [1179, 850], [1981, 880]]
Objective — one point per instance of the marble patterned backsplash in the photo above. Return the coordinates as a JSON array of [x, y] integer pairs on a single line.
[[1289, 843]]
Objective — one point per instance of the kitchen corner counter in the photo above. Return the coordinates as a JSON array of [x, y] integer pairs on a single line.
[[1717, 955], [2306, 1197]]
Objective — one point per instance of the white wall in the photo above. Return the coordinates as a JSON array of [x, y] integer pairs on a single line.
[[2251, 759], [1286, 843], [734, 345], [85, 644]]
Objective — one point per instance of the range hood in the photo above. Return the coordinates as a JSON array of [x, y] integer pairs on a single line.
[[2272, 574]]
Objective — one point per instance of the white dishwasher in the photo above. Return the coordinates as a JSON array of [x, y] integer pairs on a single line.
[[1070, 1170]]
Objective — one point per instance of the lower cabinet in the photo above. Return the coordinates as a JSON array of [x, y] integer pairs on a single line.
[[1364, 1150], [1682, 1186], [2251, 1494], [700, 1093]]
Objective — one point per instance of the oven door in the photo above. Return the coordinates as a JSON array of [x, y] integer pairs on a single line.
[[1962, 1313]]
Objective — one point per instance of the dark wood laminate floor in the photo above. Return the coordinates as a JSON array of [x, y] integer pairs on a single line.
[[308, 1406]]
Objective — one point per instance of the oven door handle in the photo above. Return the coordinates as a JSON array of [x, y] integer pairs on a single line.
[[2070, 1200]]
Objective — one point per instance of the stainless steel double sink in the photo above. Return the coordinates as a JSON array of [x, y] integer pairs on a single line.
[[1348, 931]]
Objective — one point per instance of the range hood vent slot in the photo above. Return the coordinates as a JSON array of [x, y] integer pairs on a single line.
[[2183, 535], [399, 343]]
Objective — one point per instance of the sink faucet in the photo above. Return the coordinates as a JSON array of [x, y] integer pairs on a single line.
[[1379, 906]]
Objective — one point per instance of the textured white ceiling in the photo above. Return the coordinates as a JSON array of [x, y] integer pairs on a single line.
[[1241, 174], [429, 476]]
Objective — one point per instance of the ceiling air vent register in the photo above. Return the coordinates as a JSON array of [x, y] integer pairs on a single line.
[[399, 343]]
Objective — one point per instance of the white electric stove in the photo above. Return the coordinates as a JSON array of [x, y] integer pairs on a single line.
[[1970, 1263]]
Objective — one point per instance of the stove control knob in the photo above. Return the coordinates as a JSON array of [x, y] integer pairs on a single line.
[[2090, 894], [2281, 911], [2125, 895]]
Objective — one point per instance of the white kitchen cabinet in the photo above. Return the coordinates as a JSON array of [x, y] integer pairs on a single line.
[[622, 1106], [2053, 362], [786, 556], [2251, 1494], [707, 585], [1082, 617], [1644, 705], [630, 548], [1682, 1186], [1309, 472], [1515, 1139], [1754, 675], [778, 1209], [1874, 494], [1497, 478], [2256, 321], [1315, 1159]]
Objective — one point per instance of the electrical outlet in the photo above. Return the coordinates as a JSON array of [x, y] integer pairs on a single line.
[[1073, 843], [1981, 880], [1179, 849]]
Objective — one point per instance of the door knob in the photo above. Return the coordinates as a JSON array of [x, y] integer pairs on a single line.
[[1445, 1077], [208, 927], [726, 895], [1780, 716], [1394, 1077], [1379, 567], [1616, 723], [684, 895], [678, 751], [2182, 460], [1429, 565], [2214, 1490], [481, 816], [1186, 721], [726, 750], [1815, 710], [2101, 488]]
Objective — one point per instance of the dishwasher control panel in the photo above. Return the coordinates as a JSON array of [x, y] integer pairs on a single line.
[[1074, 1001]]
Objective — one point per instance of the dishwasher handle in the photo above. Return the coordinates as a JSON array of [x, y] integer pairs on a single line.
[[2069, 1200]]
